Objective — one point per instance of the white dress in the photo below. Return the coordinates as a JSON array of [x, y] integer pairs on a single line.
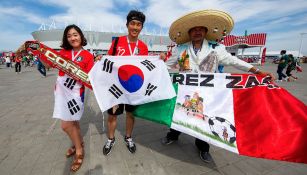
[[69, 99]]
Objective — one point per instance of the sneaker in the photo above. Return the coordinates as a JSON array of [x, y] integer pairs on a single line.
[[205, 156], [108, 146], [167, 141], [130, 144]]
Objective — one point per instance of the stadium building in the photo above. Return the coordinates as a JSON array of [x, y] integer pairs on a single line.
[[100, 42]]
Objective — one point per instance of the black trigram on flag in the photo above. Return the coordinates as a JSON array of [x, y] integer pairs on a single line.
[[70, 83], [149, 89], [107, 66], [73, 106], [148, 65], [115, 91]]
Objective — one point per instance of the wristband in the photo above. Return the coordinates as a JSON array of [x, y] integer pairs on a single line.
[[257, 71]]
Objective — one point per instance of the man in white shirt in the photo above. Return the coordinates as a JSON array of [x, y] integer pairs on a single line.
[[196, 52]]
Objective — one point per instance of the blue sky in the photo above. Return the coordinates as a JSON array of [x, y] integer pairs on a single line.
[[282, 20]]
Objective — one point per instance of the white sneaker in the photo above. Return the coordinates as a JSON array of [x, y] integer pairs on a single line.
[[108, 146], [130, 144]]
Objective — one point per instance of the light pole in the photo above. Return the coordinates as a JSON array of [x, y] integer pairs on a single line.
[[301, 44]]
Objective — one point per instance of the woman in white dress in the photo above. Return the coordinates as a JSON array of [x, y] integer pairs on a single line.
[[69, 93]]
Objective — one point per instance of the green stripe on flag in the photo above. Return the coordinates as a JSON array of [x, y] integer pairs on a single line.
[[159, 111]]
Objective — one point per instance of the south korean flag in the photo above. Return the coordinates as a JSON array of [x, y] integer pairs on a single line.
[[69, 98], [130, 80]]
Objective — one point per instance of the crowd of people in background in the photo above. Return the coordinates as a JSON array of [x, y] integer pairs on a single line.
[[287, 63], [27, 60], [23, 60]]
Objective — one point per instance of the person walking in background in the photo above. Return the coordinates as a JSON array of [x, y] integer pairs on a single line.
[[24, 60], [28, 60], [8, 61], [41, 67], [291, 66], [283, 62], [18, 64]]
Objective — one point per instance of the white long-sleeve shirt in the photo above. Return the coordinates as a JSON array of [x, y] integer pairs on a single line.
[[207, 59]]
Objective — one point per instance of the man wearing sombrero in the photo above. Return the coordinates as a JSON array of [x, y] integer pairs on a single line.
[[197, 35]]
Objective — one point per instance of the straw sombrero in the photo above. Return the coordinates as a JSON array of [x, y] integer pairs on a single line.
[[217, 22]]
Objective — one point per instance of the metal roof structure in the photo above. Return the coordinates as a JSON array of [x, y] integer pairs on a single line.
[[99, 40]]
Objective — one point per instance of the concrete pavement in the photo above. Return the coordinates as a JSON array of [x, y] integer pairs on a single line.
[[32, 143]]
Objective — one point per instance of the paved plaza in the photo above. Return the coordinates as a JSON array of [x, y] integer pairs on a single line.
[[32, 143]]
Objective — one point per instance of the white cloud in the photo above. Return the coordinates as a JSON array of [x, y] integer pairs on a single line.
[[255, 16], [280, 20], [10, 41], [91, 5], [130, 2], [97, 14], [165, 12], [299, 21], [21, 13], [13, 33]]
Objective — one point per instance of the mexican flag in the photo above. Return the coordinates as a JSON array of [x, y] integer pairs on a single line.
[[242, 113]]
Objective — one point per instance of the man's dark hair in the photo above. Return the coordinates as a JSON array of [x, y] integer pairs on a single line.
[[65, 44], [136, 15], [283, 52]]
